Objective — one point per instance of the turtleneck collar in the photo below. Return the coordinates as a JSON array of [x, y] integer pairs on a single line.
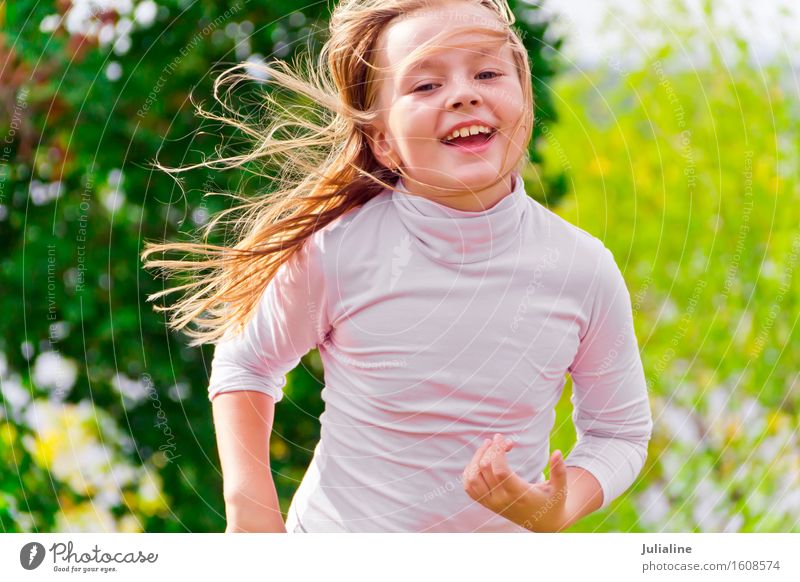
[[448, 235]]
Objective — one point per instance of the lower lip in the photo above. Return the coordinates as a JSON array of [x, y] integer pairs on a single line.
[[472, 149]]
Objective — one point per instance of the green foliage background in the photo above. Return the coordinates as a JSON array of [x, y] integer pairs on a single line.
[[692, 179]]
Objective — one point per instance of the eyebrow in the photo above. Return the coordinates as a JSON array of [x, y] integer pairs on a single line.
[[433, 62]]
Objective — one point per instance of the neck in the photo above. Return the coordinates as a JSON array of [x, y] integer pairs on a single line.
[[468, 200], [460, 236]]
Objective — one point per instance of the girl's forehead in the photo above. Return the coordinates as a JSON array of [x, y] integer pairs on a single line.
[[467, 44], [452, 27], [452, 13]]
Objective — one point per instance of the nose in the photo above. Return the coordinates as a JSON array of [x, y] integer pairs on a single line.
[[462, 92]]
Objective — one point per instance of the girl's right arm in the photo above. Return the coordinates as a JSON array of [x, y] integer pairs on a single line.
[[243, 423], [248, 374]]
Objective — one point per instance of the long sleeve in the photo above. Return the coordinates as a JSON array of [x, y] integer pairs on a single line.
[[611, 409], [290, 319]]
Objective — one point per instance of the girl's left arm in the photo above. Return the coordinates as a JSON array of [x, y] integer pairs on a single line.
[[611, 407], [611, 415]]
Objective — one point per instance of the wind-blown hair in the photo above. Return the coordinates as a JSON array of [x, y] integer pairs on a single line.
[[325, 165]]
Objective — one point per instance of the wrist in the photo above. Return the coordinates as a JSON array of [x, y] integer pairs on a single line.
[[253, 517], [251, 524], [585, 494], [248, 510], [550, 517]]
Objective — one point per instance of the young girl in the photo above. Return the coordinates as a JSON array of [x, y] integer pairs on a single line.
[[446, 304]]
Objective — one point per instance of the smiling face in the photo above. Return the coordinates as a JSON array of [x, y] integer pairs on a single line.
[[470, 79]]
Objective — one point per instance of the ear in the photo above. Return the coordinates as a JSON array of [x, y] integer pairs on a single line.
[[381, 145]]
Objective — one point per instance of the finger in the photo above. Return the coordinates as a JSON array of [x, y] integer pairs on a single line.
[[506, 443], [481, 449], [474, 483], [472, 474], [500, 469], [486, 462], [477, 487], [558, 471], [473, 463]]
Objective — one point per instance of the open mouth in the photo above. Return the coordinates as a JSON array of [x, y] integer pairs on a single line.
[[471, 141]]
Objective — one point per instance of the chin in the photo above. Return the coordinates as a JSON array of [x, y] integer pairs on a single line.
[[476, 179], [455, 178]]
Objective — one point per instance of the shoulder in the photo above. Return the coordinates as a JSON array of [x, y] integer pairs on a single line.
[[588, 273], [556, 226], [357, 229], [360, 217], [584, 255]]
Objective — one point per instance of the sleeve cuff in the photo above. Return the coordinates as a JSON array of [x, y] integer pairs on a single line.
[[614, 462], [238, 380]]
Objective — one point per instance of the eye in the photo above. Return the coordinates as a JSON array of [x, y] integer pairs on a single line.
[[422, 87], [490, 73]]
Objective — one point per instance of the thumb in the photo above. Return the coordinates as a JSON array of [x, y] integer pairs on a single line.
[[558, 470]]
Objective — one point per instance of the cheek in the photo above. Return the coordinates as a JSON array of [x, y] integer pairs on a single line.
[[511, 101], [413, 127]]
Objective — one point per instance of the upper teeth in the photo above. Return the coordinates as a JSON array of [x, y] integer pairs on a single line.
[[471, 130]]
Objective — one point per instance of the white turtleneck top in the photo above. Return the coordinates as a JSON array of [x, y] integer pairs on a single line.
[[436, 328]]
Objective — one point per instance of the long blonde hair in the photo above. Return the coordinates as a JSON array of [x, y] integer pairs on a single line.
[[323, 173]]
